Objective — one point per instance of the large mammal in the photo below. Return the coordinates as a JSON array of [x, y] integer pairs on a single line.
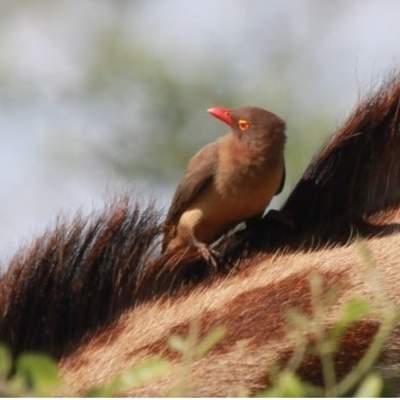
[[85, 275]]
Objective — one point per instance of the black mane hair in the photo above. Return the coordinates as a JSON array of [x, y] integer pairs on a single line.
[[76, 277]]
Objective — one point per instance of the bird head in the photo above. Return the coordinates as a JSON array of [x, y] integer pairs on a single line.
[[247, 123]]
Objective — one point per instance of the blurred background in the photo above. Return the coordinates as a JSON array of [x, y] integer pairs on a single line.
[[103, 97]]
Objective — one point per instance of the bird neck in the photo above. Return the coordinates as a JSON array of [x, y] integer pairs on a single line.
[[242, 165], [257, 152], [270, 151], [240, 162]]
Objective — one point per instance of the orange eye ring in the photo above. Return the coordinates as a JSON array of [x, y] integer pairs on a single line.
[[243, 125]]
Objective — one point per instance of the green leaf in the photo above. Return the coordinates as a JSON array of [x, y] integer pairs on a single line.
[[291, 385], [39, 372], [371, 386], [274, 392], [142, 373], [210, 341], [288, 385], [16, 386], [103, 391], [297, 320], [5, 361], [353, 310], [178, 344]]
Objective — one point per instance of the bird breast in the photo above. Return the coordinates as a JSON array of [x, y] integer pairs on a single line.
[[241, 197], [241, 169], [242, 187]]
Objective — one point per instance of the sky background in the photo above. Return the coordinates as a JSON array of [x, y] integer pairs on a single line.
[[103, 97]]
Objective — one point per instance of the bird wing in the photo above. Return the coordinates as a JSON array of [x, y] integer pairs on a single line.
[[282, 180], [199, 174]]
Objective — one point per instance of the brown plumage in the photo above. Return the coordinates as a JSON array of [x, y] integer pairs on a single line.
[[228, 181]]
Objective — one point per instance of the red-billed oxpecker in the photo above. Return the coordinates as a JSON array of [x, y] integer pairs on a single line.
[[228, 181]]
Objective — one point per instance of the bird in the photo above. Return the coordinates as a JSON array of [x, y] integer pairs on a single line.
[[228, 181]]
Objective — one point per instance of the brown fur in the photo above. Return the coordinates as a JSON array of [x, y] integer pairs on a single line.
[[359, 169], [252, 306]]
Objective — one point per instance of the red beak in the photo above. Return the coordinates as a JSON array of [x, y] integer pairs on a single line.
[[224, 114]]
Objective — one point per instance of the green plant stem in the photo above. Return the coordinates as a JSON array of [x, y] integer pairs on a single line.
[[328, 367], [187, 359], [328, 371], [371, 355]]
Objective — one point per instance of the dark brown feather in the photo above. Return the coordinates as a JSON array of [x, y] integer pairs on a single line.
[[199, 174]]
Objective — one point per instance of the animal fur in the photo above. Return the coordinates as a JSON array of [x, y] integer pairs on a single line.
[[82, 276], [75, 277], [252, 306]]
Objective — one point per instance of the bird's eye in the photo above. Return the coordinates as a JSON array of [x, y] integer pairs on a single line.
[[243, 125]]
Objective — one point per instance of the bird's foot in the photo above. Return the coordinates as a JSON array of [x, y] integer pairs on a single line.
[[209, 255], [282, 218]]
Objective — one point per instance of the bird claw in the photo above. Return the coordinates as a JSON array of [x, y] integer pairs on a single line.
[[209, 255]]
